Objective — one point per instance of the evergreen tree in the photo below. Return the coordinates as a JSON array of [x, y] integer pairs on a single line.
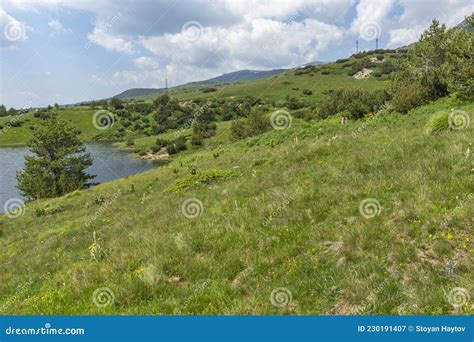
[[58, 161]]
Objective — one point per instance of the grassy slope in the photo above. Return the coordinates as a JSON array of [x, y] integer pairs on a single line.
[[17, 136], [310, 179], [277, 87], [271, 89]]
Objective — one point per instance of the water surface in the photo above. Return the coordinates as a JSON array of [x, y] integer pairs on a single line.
[[109, 163]]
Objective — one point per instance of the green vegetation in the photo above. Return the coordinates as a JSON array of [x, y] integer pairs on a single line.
[[269, 191], [307, 189], [58, 161]]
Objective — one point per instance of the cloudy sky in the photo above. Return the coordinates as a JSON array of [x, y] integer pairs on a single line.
[[70, 51]]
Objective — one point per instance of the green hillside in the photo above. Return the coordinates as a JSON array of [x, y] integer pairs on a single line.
[[284, 209], [318, 79], [17, 136]]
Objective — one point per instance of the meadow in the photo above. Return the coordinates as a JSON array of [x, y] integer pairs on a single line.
[[371, 217]]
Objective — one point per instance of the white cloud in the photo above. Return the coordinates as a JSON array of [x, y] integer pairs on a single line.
[[146, 62], [417, 15], [371, 13], [110, 42], [127, 77], [404, 36], [57, 26]]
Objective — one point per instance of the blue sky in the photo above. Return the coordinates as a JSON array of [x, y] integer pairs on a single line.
[[70, 51]]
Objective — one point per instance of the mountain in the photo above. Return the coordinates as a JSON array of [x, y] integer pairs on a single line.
[[137, 92], [240, 75]]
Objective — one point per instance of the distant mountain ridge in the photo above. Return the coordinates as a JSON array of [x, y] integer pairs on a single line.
[[137, 92], [235, 76]]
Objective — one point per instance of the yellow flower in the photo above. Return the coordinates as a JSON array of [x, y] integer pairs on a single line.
[[449, 236]]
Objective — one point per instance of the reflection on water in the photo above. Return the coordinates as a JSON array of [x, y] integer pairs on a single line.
[[109, 163]]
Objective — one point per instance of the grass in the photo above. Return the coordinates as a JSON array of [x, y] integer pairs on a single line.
[[288, 217], [276, 88], [273, 90], [81, 117]]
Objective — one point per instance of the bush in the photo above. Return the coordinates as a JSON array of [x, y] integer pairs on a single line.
[[355, 101], [409, 96], [208, 89], [256, 123], [303, 113], [380, 57], [160, 143], [307, 92], [176, 146], [438, 122], [197, 140], [377, 74], [293, 103], [325, 71], [342, 60]]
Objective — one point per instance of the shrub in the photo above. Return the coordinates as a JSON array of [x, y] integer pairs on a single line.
[[197, 140], [356, 102], [377, 74], [199, 179], [176, 146], [325, 71], [208, 89], [380, 57], [303, 113], [293, 103], [307, 92], [256, 123], [160, 143], [438, 122], [409, 96]]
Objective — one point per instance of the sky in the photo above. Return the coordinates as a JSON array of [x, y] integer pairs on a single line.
[[70, 51]]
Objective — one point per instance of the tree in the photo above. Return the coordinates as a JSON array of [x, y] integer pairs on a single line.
[[460, 63], [116, 103], [58, 163], [3, 111], [161, 100]]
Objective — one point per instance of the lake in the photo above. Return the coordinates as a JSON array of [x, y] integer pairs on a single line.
[[109, 163]]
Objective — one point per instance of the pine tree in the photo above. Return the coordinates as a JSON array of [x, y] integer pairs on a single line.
[[58, 161]]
